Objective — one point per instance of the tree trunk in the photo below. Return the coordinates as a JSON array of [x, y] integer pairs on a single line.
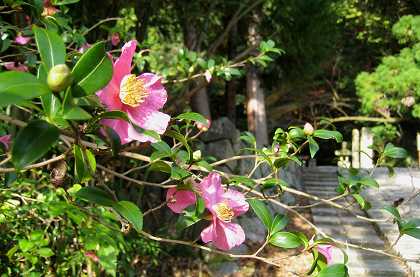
[[199, 101], [232, 85], [256, 115]]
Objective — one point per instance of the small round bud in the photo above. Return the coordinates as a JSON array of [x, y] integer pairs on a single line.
[[59, 77], [308, 129]]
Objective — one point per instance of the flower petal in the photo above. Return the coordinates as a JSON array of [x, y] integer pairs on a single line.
[[236, 201], [211, 190], [157, 93], [120, 127], [224, 235], [19, 39], [326, 251], [207, 233], [149, 119], [178, 200], [122, 65], [5, 140], [109, 96]]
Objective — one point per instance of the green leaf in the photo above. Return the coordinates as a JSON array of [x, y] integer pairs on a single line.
[[160, 166], [327, 134], [393, 211], [279, 222], [32, 142], [114, 140], [45, 252], [76, 113], [183, 140], [113, 115], [131, 213], [413, 232], [92, 72], [313, 146], [25, 245], [96, 196], [285, 240], [50, 46], [17, 87], [162, 150], [63, 2], [335, 270], [261, 210], [84, 164], [369, 182], [243, 180], [193, 117], [178, 173], [392, 151], [365, 205]]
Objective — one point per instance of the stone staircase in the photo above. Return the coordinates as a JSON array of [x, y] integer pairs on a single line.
[[322, 182]]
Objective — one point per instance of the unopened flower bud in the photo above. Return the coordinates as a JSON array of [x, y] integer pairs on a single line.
[[59, 77], [203, 127], [308, 129]]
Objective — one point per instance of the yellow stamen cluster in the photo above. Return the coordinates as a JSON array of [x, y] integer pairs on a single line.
[[223, 211], [132, 91]]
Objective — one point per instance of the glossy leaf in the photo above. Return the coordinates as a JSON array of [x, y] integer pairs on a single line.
[[392, 151], [261, 210], [96, 196], [84, 164], [193, 117], [76, 113], [313, 147], [335, 270], [285, 240], [327, 134], [182, 140], [17, 87], [33, 142], [92, 72], [63, 2], [393, 211], [131, 213], [50, 46], [178, 173], [279, 223]]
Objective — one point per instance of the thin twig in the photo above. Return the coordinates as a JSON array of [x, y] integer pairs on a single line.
[[141, 183]]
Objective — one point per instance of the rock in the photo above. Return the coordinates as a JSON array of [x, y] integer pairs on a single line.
[[222, 149], [221, 128], [253, 228]]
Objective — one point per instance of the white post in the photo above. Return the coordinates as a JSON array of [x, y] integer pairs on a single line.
[[366, 153], [418, 147], [355, 148]]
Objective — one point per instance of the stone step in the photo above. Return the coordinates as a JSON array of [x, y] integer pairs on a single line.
[[323, 194]]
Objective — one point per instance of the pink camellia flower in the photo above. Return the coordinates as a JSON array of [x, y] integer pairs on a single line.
[[139, 96], [178, 200], [5, 140], [19, 39], [12, 66], [326, 251], [115, 39], [223, 206]]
